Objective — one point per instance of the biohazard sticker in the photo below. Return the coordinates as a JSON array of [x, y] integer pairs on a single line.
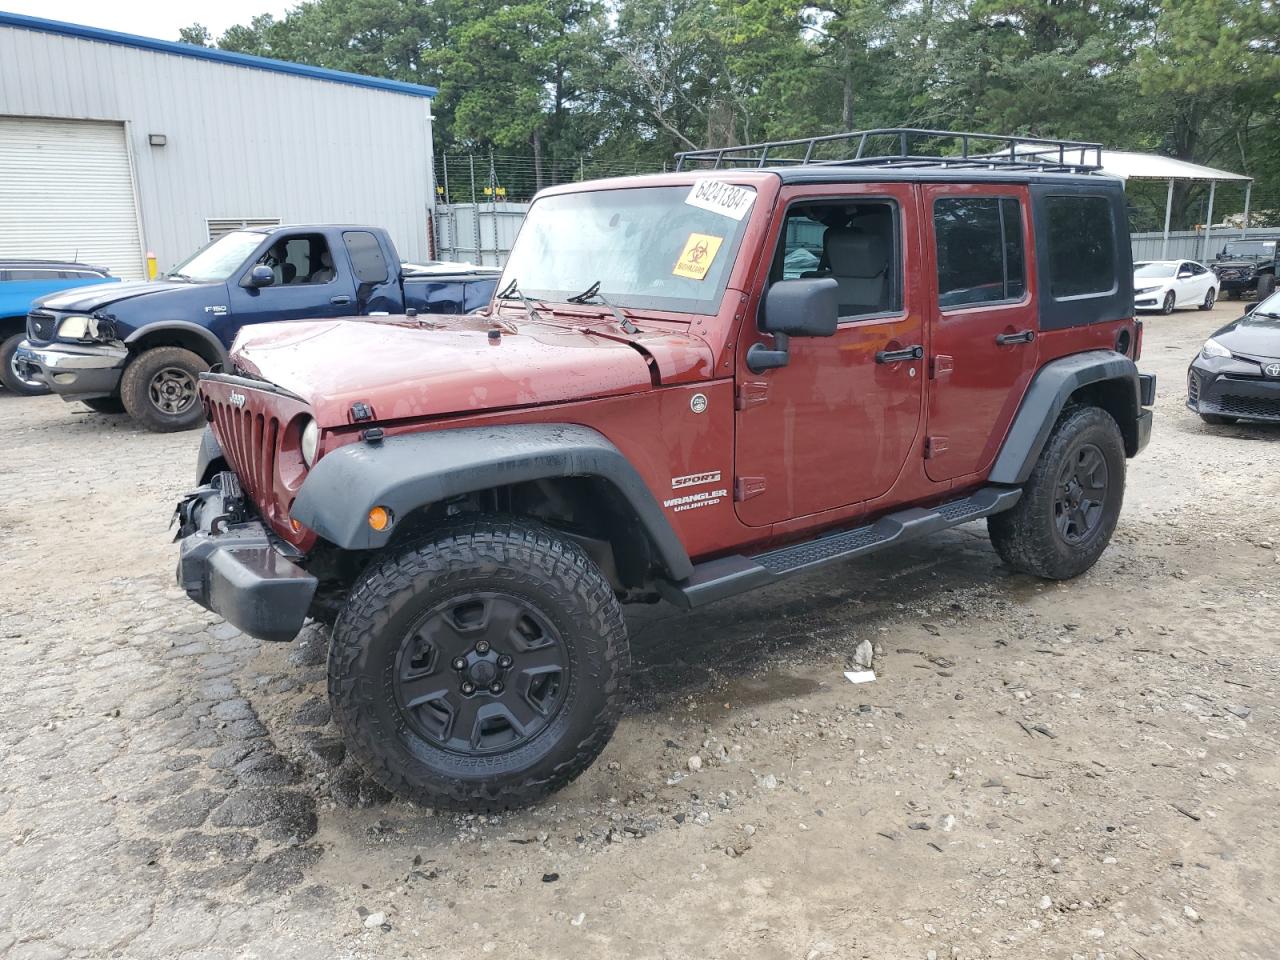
[[697, 256]]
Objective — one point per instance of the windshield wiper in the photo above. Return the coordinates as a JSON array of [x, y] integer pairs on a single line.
[[593, 293], [1266, 313], [512, 289]]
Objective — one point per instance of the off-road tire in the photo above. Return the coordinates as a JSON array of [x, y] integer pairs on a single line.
[[9, 376], [1217, 419], [108, 405], [1027, 537], [1170, 301], [515, 558], [1266, 285], [136, 385], [1210, 298]]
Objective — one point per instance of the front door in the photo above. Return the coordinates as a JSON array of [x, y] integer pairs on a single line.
[[307, 283], [835, 426], [983, 340]]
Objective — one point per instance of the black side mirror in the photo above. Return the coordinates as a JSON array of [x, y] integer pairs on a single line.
[[260, 276], [807, 307]]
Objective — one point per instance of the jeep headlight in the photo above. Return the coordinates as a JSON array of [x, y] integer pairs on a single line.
[[310, 442], [1212, 348], [78, 328]]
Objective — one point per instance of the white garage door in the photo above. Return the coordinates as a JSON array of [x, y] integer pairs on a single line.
[[66, 193]]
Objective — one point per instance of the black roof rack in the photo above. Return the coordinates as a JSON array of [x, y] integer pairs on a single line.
[[976, 150]]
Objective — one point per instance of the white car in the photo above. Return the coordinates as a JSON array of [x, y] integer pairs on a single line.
[[1165, 284]]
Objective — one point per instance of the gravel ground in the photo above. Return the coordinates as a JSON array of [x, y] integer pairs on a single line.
[[1086, 769]]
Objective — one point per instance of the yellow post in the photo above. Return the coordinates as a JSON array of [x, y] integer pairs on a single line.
[[151, 265]]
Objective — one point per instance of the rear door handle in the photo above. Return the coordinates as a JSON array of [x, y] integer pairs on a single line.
[[339, 301], [894, 356], [1022, 336]]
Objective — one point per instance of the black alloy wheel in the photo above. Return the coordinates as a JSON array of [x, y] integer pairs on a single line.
[[1169, 301], [1082, 495], [1210, 298], [481, 673]]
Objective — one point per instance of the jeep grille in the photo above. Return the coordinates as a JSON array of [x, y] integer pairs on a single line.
[[251, 442]]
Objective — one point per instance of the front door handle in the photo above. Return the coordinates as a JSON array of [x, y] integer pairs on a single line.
[[906, 353], [1022, 336], [339, 301]]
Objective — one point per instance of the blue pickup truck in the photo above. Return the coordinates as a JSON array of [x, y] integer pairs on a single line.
[[22, 282], [140, 347]]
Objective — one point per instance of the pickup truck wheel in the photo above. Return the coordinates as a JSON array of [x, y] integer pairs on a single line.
[[1071, 502], [159, 389], [9, 375], [104, 405], [482, 669]]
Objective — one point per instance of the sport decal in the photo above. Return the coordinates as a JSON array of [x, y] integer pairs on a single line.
[[695, 479]]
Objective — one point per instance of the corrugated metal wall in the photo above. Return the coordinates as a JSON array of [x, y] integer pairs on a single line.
[[1190, 244], [241, 142]]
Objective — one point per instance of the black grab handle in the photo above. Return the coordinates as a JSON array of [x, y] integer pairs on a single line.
[[1024, 336], [906, 353]]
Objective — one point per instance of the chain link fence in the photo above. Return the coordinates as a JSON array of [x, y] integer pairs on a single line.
[[498, 178]]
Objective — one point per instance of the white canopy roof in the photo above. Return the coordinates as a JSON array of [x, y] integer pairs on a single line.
[[1151, 166]]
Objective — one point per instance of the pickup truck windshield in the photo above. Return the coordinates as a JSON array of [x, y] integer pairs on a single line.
[[648, 248], [220, 259]]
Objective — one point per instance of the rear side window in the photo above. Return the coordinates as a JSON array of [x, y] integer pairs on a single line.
[[980, 250], [367, 261], [1082, 250]]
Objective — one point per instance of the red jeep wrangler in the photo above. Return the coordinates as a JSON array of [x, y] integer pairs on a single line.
[[689, 385]]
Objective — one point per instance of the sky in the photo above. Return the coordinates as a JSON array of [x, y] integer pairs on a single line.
[[149, 18]]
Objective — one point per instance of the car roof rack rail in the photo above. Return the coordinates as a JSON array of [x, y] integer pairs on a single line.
[[903, 146]]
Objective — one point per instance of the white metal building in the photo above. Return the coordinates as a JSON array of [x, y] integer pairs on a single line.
[[113, 145]]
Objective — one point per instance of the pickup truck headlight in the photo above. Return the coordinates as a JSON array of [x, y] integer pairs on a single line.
[[1212, 348], [78, 328], [310, 442]]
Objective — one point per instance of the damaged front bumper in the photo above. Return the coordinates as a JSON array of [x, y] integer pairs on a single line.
[[231, 563], [73, 371]]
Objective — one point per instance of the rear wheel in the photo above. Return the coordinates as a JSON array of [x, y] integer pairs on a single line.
[[482, 669], [1070, 503], [104, 405], [159, 389], [1210, 298], [1169, 301], [9, 375]]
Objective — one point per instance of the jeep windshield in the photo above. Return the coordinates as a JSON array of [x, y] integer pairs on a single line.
[[1249, 248], [649, 247], [220, 259]]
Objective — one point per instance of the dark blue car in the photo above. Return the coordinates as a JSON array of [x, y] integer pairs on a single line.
[[141, 347], [22, 282]]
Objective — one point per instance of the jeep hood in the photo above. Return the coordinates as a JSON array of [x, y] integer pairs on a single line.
[[89, 299], [430, 366]]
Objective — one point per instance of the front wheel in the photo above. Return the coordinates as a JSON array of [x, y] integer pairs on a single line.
[[1210, 298], [482, 669], [158, 389], [1070, 503], [1169, 301], [1266, 285], [9, 375]]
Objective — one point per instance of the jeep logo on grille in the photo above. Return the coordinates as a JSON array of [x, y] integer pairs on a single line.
[[1272, 369], [237, 399]]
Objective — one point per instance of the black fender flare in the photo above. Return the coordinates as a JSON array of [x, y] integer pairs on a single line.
[[182, 326], [406, 472], [1045, 399]]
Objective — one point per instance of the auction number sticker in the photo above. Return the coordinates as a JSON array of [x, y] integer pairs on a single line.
[[696, 257], [722, 198]]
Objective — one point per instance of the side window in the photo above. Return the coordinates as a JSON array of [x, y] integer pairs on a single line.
[[854, 242], [299, 260], [1082, 247], [980, 250], [367, 261], [32, 275], [1198, 269]]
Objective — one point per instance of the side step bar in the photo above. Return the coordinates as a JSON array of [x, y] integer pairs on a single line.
[[723, 577]]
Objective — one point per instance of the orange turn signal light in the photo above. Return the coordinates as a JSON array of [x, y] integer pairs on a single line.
[[380, 518]]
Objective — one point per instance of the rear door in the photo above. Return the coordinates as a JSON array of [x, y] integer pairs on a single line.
[[983, 337], [834, 426]]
